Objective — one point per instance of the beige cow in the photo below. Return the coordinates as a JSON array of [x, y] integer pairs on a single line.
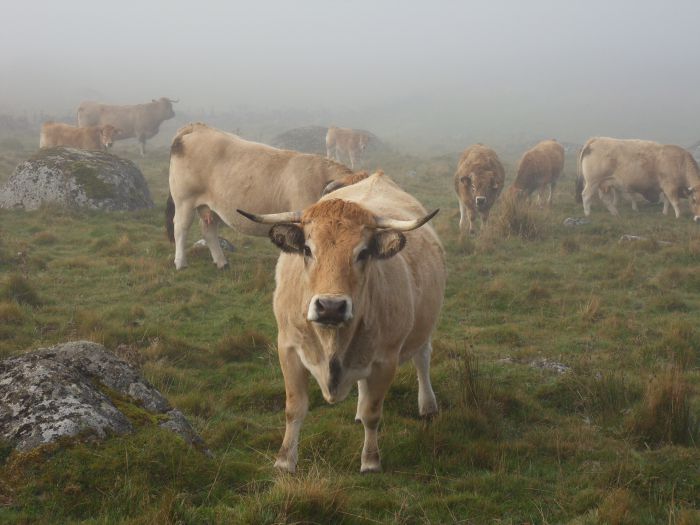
[[359, 289], [608, 165], [348, 141], [93, 138], [478, 183], [141, 121], [213, 173], [539, 169]]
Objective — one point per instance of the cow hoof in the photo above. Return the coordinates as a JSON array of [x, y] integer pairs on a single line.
[[371, 469], [224, 266], [285, 466], [357, 420]]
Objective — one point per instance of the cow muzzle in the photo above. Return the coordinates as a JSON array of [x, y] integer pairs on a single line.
[[697, 219], [332, 310], [480, 202]]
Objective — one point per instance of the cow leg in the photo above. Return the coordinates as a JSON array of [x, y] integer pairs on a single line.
[[370, 410], [184, 215], [663, 198], [676, 206], [462, 217], [352, 159], [551, 192], [361, 394], [610, 201], [142, 143], [427, 404], [209, 223], [587, 196], [296, 383]]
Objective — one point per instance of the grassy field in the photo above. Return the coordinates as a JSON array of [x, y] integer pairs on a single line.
[[566, 368]]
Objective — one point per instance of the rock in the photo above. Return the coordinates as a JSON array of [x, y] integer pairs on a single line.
[[628, 238], [575, 221], [75, 178], [225, 244], [545, 364], [312, 139], [79, 388]]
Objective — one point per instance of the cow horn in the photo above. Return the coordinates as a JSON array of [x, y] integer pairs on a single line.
[[172, 100], [273, 218], [404, 226]]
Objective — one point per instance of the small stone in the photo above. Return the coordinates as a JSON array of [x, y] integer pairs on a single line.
[[576, 221]]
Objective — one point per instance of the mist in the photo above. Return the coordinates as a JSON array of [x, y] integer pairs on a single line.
[[432, 76]]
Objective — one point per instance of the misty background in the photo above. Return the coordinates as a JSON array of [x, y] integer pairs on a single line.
[[432, 76]]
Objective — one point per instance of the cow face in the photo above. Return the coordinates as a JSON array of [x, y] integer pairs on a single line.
[[484, 187], [694, 199], [107, 135], [166, 107]]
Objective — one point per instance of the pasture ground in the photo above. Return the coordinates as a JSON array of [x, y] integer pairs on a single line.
[[613, 439]]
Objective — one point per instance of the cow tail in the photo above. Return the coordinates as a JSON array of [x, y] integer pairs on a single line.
[[579, 174], [170, 218]]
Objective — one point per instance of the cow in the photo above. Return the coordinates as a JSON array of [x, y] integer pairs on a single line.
[[539, 168], [349, 141], [141, 121], [93, 138], [608, 165], [213, 172], [359, 287], [478, 183]]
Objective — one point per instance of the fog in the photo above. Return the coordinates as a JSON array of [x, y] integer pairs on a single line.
[[427, 74]]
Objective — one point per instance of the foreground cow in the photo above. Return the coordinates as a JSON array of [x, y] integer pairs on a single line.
[[539, 168], [93, 138], [478, 182], [609, 165], [213, 173], [359, 289], [141, 121], [349, 141]]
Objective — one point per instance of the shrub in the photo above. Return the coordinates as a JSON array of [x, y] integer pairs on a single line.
[[516, 217], [18, 288]]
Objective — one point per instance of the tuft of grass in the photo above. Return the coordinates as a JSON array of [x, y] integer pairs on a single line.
[[590, 310], [519, 218], [11, 312], [617, 508], [665, 415], [19, 289], [44, 238], [242, 346]]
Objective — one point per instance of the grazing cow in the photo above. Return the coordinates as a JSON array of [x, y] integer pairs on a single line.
[[478, 182], [349, 141], [93, 138], [539, 168], [609, 165], [141, 121], [359, 290], [213, 173]]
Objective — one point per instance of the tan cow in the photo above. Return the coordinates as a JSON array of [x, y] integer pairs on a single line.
[[608, 165], [359, 289], [213, 173], [478, 183], [349, 141], [93, 138], [539, 168], [141, 121]]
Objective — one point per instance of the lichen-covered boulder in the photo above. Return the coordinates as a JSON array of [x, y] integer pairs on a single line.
[[79, 388], [76, 178]]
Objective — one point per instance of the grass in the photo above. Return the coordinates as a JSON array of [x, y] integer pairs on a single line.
[[612, 440]]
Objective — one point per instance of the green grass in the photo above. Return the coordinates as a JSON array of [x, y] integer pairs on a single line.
[[613, 440]]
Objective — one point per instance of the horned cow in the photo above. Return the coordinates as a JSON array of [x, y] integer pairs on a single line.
[[359, 289]]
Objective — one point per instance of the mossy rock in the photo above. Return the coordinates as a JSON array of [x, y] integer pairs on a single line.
[[75, 178]]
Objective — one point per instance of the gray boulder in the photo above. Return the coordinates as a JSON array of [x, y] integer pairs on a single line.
[[76, 178], [79, 388]]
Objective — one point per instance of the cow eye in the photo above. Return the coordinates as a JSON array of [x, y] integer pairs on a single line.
[[307, 251], [363, 255]]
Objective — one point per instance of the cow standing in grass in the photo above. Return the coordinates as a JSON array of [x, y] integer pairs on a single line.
[[607, 166], [359, 289], [539, 169], [213, 173], [141, 121], [478, 183], [55, 134]]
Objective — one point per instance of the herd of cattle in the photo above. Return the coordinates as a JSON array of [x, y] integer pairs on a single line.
[[361, 275]]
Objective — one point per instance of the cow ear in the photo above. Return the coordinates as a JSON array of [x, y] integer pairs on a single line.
[[288, 237], [387, 243], [466, 179]]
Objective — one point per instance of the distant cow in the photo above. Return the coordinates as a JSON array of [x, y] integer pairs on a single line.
[[349, 141], [478, 182], [93, 138], [638, 166], [539, 168], [213, 173], [141, 121], [360, 286]]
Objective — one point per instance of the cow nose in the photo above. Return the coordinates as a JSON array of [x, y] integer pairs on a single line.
[[480, 201], [696, 218], [330, 310]]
